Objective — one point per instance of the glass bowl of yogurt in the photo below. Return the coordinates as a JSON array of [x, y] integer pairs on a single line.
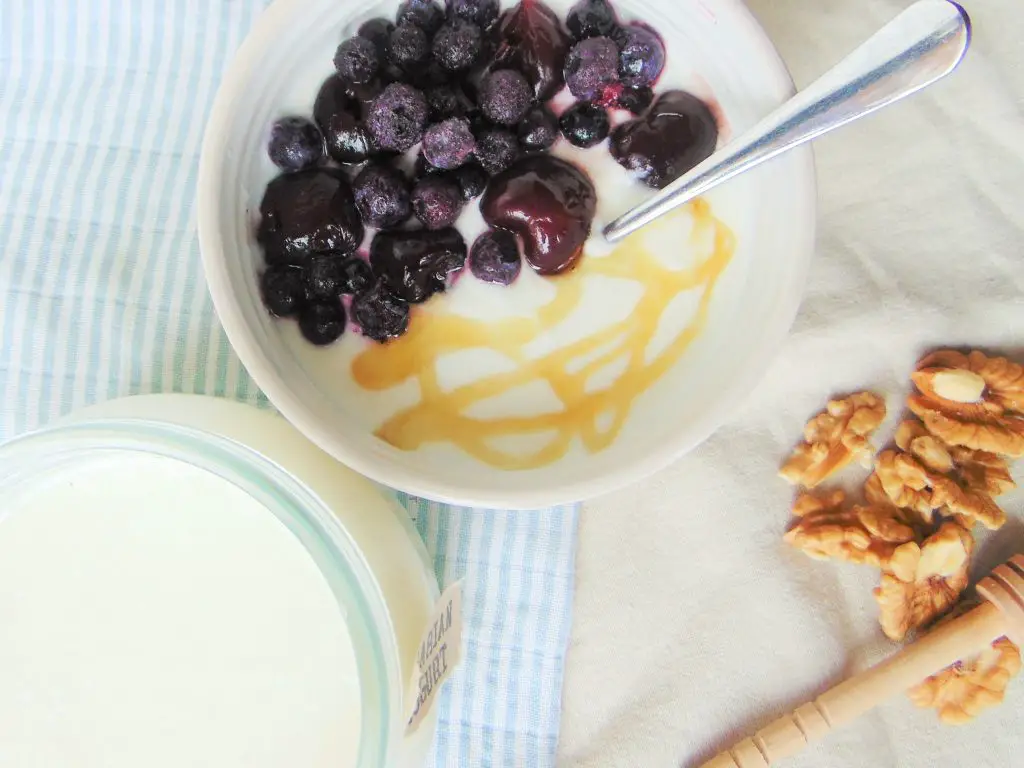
[[189, 581], [556, 387]]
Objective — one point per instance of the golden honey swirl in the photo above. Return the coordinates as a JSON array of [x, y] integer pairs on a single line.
[[441, 416]]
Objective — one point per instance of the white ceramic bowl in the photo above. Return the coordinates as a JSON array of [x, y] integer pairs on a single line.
[[715, 49]]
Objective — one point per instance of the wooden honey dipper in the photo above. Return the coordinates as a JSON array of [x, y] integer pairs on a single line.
[[1001, 615]]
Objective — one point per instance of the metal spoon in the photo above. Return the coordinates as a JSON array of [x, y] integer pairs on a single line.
[[920, 46]]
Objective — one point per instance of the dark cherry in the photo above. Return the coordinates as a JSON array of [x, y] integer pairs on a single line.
[[336, 110], [635, 100], [531, 39], [678, 132], [306, 213], [414, 265], [549, 204]]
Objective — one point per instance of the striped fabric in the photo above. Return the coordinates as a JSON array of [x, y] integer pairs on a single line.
[[102, 108]]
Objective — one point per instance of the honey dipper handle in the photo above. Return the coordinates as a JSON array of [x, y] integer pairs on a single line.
[[850, 699]]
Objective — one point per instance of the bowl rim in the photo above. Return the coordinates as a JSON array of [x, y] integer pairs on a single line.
[[258, 364]]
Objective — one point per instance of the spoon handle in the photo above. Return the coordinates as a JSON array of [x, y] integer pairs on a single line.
[[920, 46]]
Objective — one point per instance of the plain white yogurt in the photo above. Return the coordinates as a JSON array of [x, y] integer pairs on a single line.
[[156, 615]]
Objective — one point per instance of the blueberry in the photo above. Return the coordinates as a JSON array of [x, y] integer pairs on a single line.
[[322, 322], [445, 101], [380, 314], [449, 144], [591, 66], [356, 275], [584, 124], [496, 149], [494, 257], [408, 46], [636, 100], [504, 97], [591, 18], [472, 180], [642, 57], [335, 111], [422, 168], [425, 14], [308, 212], [437, 201], [282, 289], [357, 60], [479, 12], [396, 117], [382, 196], [295, 144], [538, 129], [323, 276], [377, 31], [414, 265], [457, 45]]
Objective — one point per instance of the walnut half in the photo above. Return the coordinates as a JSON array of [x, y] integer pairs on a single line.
[[971, 400], [962, 691], [834, 438], [826, 531], [921, 581], [927, 475]]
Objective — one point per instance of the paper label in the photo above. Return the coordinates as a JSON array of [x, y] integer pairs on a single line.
[[439, 653]]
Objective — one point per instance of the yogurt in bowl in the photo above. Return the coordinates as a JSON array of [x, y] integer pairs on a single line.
[[551, 389]]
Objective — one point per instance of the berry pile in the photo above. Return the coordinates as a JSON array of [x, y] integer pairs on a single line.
[[458, 93]]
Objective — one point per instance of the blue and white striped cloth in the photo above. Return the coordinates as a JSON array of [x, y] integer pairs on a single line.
[[102, 108]]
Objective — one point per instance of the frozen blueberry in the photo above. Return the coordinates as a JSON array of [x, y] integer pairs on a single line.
[[396, 117], [425, 14], [457, 45], [496, 149], [336, 112], [416, 264], [479, 12], [382, 196], [323, 276], [538, 129], [282, 289], [504, 97], [591, 66], [408, 46], [422, 168], [295, 143], [380, 314], [642, 56], [445, 101], [494, 257], [377, 31], [472, 180], [357, 60], [356, 275], [308, 212], [437, 201], [322, 322], [449, 144], [591, 18], [635, 100], [584, 124]]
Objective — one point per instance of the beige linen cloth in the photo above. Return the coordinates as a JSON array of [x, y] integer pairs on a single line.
[[693, 622]]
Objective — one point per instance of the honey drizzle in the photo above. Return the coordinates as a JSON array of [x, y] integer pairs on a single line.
[[440, 416]]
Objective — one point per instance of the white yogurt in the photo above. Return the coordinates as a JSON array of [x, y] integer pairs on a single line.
[[153, 614]]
